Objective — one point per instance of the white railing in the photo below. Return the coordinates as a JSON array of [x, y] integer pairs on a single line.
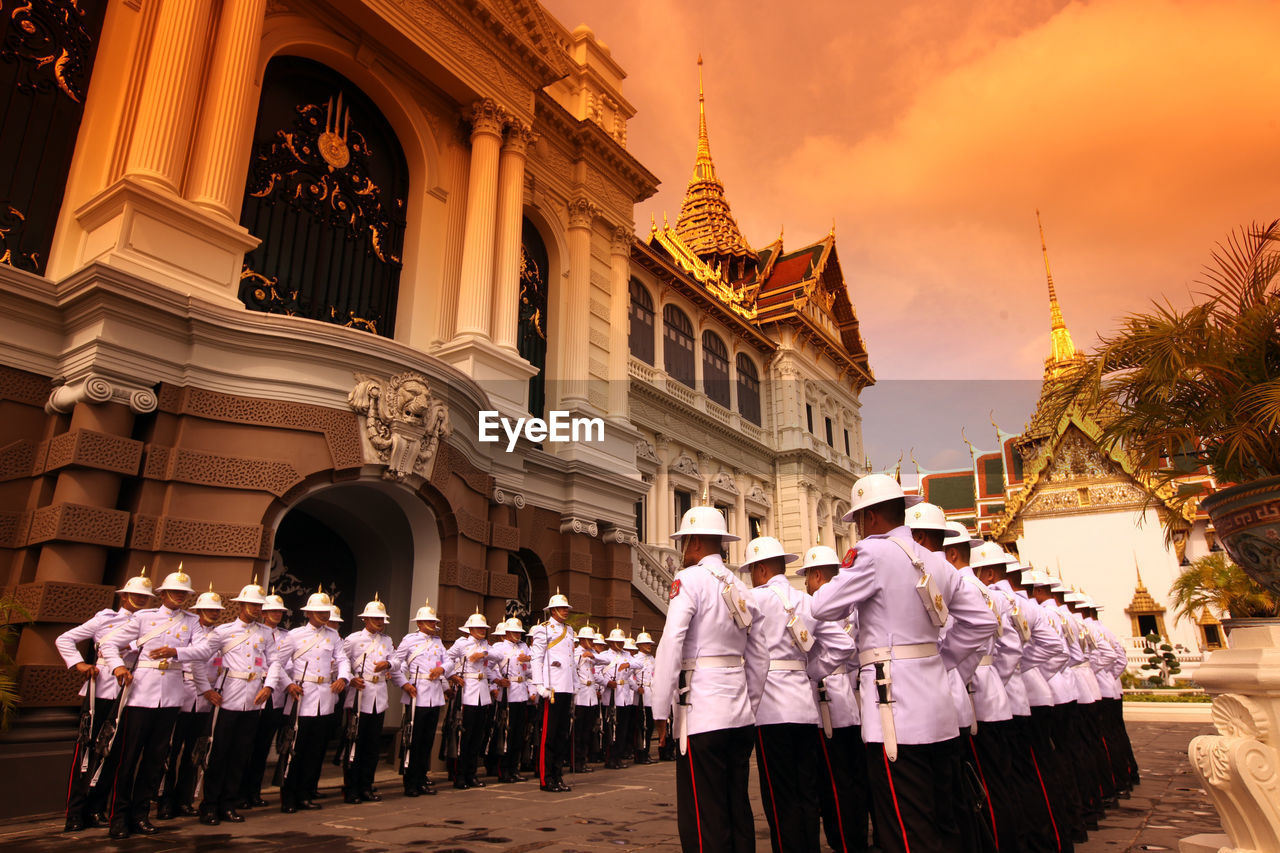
[[650, 577], [682, 392], [718, 411], [640, 370], [751, 429]]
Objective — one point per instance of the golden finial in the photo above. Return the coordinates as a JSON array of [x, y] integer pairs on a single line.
[[1062, 348], [833, 226], [320, 587], [210, 586], [375, 595], [143, 573], [919, 479], [255, 578], [653, 224]]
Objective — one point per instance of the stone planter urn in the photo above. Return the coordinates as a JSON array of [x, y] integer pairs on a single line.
[[1247, 518]]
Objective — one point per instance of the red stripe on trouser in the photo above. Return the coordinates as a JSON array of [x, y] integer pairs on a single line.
[[773, 804], [1107, 749], [542, 750], [982, 777], [1048, 806], [693, 780], [892, 793], [75, 762], [835, 793]]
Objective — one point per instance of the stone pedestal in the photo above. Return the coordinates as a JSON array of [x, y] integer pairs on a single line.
[[1240, 766]]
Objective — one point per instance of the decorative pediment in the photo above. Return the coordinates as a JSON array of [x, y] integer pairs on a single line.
[[724, 480], [686, 465]]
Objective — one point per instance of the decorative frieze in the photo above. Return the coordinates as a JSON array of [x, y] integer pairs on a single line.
[[69, 522], [102, 451], [214, 469], [194, 536], [59, 601]]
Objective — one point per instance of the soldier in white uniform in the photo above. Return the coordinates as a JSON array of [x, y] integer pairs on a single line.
[[586, 702], [421, 658], [615, 701], [843, 798], [514, 675], [86, 805], [642, 665], [372, 657], [273, 613], [554, 676], [902, 594], [315, 661], [786, 751], [470, 658], [709, 675], [156, 696]]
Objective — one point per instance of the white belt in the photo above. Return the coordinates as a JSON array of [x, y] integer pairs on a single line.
[[476, 675], [162, 665], [712, 662], [1085, 665], [188, 676], [518, 679], [251, 675], [985, 660], [786, 665], [316, 679], [419, 676], [842, 669], [910, 651]]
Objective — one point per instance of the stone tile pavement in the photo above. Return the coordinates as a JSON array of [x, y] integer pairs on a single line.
[[624, 810]]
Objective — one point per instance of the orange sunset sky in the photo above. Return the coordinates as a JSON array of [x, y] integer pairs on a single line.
[[1144, 130]]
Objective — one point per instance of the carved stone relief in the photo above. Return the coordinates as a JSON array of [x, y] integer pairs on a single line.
[[403, 423]]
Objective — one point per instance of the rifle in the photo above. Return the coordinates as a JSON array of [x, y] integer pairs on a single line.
[[638, 725], [451, 743], [501, 720], [353, 722], [288, 737], [611, 718], [84, 737], [107, 734], [406, 727], [204, 746]]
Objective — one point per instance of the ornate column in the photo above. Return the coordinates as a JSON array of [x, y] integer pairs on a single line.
[[662, 505], [576, 334], [807, 519], [158, 147], [476, 302], [619, 321], [740, 514], [227, 119], [506, 268]]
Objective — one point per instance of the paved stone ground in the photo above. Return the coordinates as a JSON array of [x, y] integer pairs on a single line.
[[632, 809]]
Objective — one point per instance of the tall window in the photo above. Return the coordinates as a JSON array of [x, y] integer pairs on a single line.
[[684, 503], [640, 519], [847, 452], [641, 335], [326, 195], [715, 368], [677, 349], [748, 389], [831, 442], [808, 416], [531, 324]]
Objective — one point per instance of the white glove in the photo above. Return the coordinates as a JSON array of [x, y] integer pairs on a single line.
[[546, 692]]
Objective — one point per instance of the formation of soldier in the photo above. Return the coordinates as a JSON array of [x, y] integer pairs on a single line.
[[182, 709]]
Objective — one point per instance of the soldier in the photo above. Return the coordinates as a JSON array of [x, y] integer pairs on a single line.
[[156, 696], [902, 595], [193, 721], [709, 675], [421, 658], [1122, 760], [586, 702], [642, 665], [86, 805], [786, 754], [514, 674], [842, 795], [372, 657], [273, 613], [470, 657], [617, 697], [315, 660], [555, 681]]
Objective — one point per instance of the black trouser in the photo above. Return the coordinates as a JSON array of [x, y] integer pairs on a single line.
[[517, 717], [357, 778], [584, 723], [554, 747], [713, 805], [644, 720], [1030, 793], [786, 758], [914, 799], [268, 727], [232, 742], [308, 760], [143, 742], [473, 729], [180, 778], [992, 749], [424, 736], [622, 746], [843, 797], [1120, 749], [971, 814], [82, 800], [1052, 757]]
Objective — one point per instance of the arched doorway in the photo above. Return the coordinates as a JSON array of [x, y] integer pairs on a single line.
[[354, 540]]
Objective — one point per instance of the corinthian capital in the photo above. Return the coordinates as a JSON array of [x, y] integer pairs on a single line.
[[582, 213], [622, 239], [519, 136], [487, 117]]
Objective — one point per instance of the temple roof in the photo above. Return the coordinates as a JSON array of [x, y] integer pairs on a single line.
[[1142, 602]]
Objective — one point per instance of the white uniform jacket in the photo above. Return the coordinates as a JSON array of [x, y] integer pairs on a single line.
[[789, 696], [552, 644], [990, 700], [416, 657], [156, 683], [881, 587], [250, 661], [1008, 652], [642, 676], [508, 666], [196, 703], [476, 674], [365, 651], [840, 682], [699, 627], [280, 697], [1043, 658], [317, 658], [590, 678], [102, 627]]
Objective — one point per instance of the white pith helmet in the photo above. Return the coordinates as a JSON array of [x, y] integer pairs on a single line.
[[1059, 585], [818, 555], [251, 593], [208, 600], [927, 516], [499, 629], [987, 554], [1097, 605], [957, 533], [514, 626], [178, 581], [558, 600], [374, 609], [630, 645], [475, 620], [766, 548], [598, 639], [875, 489], [644, 638], [318, 601], [335, 613], [1074, 597], [616, 635], [585, 633], [704, 521], [1039, 578], [140, 584], [426, 613], [274, 602]]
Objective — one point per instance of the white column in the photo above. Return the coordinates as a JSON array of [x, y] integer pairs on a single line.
[[660, 336], [740, 516], [619, 321], [227, 119], [161, 136], [575, 368], [476, 291], [662, 505], [733, 380], [506, 269], [807, 519]]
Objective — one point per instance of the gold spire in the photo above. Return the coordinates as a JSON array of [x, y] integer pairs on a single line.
[[703, 168], [1062, 352]]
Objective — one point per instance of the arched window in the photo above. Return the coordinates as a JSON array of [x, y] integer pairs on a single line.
[[677, 349], [641, 335], [532, 327], [326, 195], [748, 389], [715, 368]]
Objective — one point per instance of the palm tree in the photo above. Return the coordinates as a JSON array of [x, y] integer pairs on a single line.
[[1213, 581]]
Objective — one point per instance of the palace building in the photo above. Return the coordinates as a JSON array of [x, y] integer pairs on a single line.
[[265, 263]]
